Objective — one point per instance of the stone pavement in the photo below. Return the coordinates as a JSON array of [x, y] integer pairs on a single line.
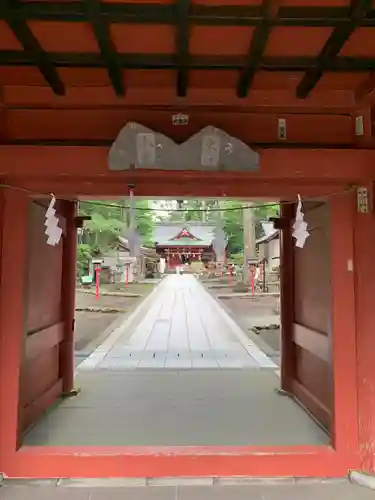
[[336, 490], [183, 328]]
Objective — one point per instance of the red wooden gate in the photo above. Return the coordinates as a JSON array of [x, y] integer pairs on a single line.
[[307, 315], [41, 378]]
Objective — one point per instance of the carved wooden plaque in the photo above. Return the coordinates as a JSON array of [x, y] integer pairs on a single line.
[[211, 149]]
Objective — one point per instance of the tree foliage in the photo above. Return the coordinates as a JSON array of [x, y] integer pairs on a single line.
[[233, 221], [110, 219], [84, 254]]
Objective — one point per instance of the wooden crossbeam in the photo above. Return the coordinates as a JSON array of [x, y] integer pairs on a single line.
[[168, 62], [106, 46], [31, 46], [182, 46], [333, 46], [208, 15], [257, 47]]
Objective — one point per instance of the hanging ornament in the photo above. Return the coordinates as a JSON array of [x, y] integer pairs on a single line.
[[53, 230], [300, 232], [133, 235]]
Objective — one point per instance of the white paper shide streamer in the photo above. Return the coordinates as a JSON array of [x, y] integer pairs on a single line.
[[53, 230], [300, 232]]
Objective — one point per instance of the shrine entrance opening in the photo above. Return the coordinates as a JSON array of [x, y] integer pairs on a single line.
[[292, 83], [306, 370], [307, 286], [180, 341], [179, 329]]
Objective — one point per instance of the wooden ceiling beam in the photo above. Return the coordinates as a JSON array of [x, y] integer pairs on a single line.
[[168, 61], [210, 15], [182, 46], [106, 45], [31, 46], [333, 46], [257, 47]]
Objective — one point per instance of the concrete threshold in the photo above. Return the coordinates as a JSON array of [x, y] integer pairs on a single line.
[[171, 481]]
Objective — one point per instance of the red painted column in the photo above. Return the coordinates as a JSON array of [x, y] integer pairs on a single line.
[[343, 337], [14, 227], [364, 266], [68, 296]]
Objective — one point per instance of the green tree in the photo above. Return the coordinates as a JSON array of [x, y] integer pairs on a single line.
[[84, 256], [145, 221], [109, 219], [233, 221], [232, 216], [192, 210]]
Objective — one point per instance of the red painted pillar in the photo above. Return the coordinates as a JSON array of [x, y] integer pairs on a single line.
[[14, 227], [344, 427], [68, 296], [364, 268]]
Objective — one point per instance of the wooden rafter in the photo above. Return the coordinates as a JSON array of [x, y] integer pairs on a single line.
[[333, 46], [31, 46], [182, 46], [210, 15], [106, 46], [257, 47], [168, 62]]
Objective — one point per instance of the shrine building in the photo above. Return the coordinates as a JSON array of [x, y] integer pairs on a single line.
[[184, 243]]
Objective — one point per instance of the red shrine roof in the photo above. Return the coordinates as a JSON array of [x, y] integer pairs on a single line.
[[74, 71], [193, 233], [185, 234]]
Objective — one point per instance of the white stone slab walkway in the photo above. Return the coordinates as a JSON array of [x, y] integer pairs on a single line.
[[179, 326]]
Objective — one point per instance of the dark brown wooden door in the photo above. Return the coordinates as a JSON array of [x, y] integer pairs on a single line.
[[41, 382], [307, 322]]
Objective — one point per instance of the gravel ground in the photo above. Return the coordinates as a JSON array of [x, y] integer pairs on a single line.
[[251, 312], [90, 325]]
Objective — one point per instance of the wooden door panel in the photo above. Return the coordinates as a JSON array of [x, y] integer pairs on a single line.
[[310, 372], [41, 380]]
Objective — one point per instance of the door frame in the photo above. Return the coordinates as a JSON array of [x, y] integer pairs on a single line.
[[278, 178]]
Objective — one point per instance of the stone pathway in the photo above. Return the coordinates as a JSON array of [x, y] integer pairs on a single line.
[[341, 490], [184, 328]]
